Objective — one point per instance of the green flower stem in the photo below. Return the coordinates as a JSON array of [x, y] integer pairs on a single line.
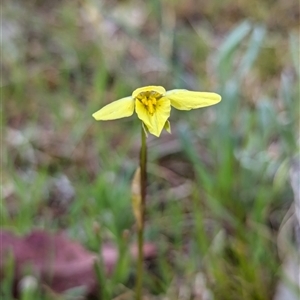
[[143, 184]]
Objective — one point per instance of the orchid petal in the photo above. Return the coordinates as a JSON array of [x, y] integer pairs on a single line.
[[187, 100], [116, 110], [151, 88], [167, 126]]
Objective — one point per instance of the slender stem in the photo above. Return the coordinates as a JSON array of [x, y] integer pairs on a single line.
[[143, 184]]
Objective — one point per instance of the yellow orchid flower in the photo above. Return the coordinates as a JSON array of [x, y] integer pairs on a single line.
[[153, 105]]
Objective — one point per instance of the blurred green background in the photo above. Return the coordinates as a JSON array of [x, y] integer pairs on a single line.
[[218, 186]]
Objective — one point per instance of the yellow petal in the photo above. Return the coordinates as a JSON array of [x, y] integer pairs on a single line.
[[187, 100], [151, 88], [145, 128], [156, 122], [118, 109], [167, 126]]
